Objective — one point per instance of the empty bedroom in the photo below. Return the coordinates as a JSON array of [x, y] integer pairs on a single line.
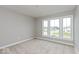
[[39, 29]]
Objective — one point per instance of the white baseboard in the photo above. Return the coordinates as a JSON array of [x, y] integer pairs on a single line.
[[76, 50], [57, 41], [15, 43]]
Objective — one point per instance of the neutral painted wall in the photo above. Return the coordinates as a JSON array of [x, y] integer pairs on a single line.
[[39, 20], [14, 27], [76, 27]]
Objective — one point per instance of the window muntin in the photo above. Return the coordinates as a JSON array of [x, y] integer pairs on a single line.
[[58, 28]]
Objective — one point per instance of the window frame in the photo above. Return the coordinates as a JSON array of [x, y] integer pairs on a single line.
[[43, 28], [60, 27], [70, 26]]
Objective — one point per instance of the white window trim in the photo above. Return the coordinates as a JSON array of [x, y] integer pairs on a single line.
[[71, 25], [61, 28]]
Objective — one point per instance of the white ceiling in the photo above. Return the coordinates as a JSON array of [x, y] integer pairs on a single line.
[[39, 10]]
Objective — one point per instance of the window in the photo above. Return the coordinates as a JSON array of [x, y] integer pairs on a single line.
[[67, 28], [54, 28], [45, 28], [58, 28]]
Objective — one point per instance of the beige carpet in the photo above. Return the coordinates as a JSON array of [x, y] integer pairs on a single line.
[[37, 46]]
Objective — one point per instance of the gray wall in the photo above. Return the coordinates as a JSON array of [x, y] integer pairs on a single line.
[[76, 27], [14, 27]]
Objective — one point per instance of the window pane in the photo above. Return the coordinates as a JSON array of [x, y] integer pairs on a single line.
[[45, 28], [44, 33], [45, 23], [52, 23], [54, 28], [52, 32], [67, 28]]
